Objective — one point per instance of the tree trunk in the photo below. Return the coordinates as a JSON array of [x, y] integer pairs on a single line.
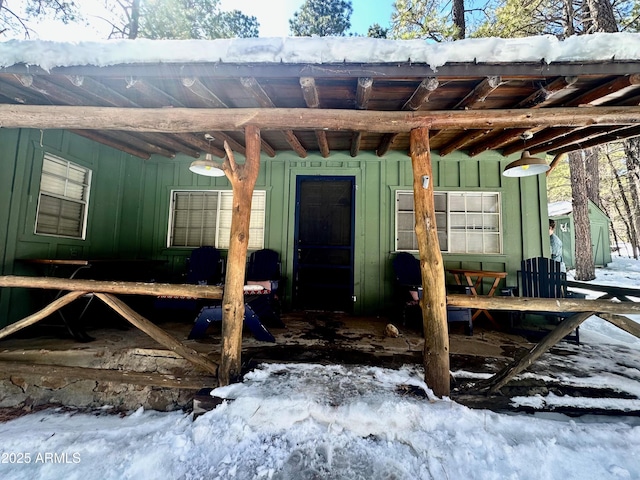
[[632, 154], [616, 238], [434, 298], [630, 213], [135, 20], [457, 12], [585, 268], [243, 179], [568, 14], [601, 18], [592, 168]]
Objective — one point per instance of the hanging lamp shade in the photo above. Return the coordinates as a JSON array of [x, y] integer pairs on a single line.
[[206, 167], [526, 166]]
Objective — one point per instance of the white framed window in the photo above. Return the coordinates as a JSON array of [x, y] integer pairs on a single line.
[[63, 199], [467, 222], [203, 217]]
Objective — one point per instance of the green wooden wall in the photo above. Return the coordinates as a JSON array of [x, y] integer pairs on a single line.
[[129, 209]]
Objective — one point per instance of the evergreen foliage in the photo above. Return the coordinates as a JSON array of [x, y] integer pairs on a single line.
[[422, 19], [193, 19], [376, 31], [322, 18]]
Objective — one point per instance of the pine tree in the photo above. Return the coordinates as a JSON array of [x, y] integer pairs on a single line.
[[438, 20], [376, 31], [193, 19], [322, 18]]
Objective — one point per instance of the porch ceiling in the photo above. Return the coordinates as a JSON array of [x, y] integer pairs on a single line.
[[372, 87]]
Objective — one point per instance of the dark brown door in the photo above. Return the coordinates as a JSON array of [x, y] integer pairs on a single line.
[[324, 239]]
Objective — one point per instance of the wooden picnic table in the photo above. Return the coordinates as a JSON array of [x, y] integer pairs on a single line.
[[473, 285]]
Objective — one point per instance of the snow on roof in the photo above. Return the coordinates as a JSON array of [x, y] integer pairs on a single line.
[[560, 208], [318, 50]]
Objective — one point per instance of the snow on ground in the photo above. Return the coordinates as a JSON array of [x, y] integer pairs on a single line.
[[298, 421]]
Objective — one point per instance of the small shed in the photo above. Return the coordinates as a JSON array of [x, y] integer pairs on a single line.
[[562, 213]]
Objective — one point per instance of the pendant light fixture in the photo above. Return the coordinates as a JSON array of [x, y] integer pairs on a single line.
[[206, 167], [526, 166]]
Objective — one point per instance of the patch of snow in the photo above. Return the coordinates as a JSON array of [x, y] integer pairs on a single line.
[[322, 50], [294, 421]]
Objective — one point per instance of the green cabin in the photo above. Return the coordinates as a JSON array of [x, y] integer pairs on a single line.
[[562, 213], [334, 197]]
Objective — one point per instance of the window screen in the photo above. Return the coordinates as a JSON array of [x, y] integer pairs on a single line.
[[467, 222], [63, 198], [203, 217]]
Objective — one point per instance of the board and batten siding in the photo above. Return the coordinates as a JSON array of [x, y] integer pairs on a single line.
[[130, 199]]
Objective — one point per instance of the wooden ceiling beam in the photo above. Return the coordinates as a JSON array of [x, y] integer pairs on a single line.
[[538, 138], [546, 92], [421, 94], [95, 90], [479, 93], [578, 135], [46, 89], [267, 148], [310, 92], [385, 143], [152, 95], [18, 95], [180, 120], [110, 142], [605, 89], [497, 141], [554, 163], [170, 143], [233, 143], [461, 140], [312, 99], [253, 86], [323, 143], [619, 134], [294, 143], [200, 90], [200, 143], [356, 140], [363, 92], [140, 142]]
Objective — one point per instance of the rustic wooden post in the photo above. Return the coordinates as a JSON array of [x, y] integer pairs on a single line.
[[243, 179], [434, 297]]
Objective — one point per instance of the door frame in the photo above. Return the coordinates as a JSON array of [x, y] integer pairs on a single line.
[[299, 178]]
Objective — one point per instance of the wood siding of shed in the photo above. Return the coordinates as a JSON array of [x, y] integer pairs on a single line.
[[129, 209]]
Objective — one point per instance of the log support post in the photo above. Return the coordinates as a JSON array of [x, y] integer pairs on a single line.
[[434, 300], [243, 179]]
